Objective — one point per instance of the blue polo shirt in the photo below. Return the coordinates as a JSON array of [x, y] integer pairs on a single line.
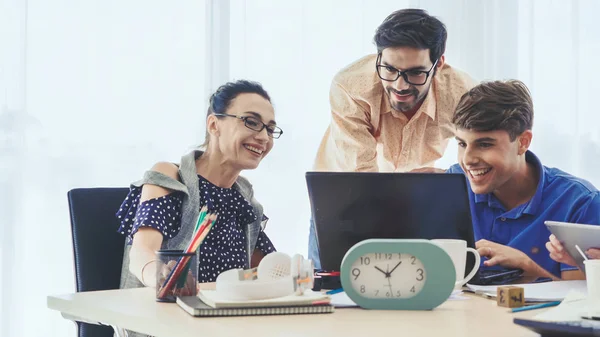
[[559, 197]]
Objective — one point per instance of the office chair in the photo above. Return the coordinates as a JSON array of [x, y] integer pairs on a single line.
[[97, 246]]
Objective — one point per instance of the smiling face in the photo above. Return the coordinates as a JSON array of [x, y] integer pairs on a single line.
[[403, 96], [490, 159], [238, 145]]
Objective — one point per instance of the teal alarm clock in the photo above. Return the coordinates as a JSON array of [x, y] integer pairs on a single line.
[[397, 274]]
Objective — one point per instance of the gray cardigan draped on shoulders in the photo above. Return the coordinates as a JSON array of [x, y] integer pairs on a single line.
[[190, 210], [189, 185]]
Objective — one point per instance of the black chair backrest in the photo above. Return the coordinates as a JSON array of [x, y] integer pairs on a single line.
[[97, 246]]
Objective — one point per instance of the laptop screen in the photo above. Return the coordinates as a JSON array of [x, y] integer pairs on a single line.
[[353, 206]]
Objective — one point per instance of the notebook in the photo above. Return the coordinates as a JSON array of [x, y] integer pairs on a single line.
[[212, 299], [195, 307]]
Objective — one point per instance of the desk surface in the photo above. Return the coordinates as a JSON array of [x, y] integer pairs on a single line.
[[135, 309]]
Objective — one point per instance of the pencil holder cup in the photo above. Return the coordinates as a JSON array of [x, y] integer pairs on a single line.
[[176, 275]]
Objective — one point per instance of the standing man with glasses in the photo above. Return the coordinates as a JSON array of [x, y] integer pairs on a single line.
[[392, 111]]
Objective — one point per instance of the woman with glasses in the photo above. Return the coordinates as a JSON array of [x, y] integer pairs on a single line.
[[161, 209]]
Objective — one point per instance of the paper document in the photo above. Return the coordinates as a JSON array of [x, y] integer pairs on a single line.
[[457, 295], [537, 292], [341, 300], [570, 309]]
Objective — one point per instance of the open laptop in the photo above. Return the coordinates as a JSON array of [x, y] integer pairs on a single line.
[[350, 207]]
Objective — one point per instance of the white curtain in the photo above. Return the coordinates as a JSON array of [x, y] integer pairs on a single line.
[[92, 93], [295, 47]]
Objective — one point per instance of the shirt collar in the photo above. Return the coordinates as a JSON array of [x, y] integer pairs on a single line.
[[530, 207], [533, 205]]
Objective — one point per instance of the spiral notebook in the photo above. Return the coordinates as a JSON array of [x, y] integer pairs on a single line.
[[195, 307]]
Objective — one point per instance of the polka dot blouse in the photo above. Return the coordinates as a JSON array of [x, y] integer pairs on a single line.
[[224, 246]]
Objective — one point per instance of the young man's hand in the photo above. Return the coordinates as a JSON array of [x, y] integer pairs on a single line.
[[558, 252], [498, 254], [593, 253]]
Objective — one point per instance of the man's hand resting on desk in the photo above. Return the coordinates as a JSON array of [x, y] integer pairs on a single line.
[[509, 257], [498, 254]]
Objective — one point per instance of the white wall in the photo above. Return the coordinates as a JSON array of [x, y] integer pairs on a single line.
[[110, 87]]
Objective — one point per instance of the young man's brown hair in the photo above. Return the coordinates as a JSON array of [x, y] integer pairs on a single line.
[[496, 105]]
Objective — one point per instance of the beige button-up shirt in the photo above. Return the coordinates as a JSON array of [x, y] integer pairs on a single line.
[[365, 134]]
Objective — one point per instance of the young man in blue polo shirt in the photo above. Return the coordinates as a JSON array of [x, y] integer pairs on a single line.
[[511, 193]]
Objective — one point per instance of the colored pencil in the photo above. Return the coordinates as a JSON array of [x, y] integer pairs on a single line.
[[194, 244], [536, 306], [201, 216]]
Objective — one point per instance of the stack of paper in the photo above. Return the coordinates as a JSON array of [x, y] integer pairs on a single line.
[[571, 308], [537, 292], [212, 299]]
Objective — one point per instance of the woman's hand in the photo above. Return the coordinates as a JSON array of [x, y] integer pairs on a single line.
[[187, 289]]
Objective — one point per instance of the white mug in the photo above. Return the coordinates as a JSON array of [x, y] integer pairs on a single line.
[[592, 275], [457, 249]]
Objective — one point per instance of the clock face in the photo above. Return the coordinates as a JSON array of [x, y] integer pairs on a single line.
[[387, 275]]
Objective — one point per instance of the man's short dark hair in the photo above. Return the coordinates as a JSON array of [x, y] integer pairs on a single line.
[[412, 28], [496, 105]]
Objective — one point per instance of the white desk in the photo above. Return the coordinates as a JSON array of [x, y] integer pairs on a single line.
[[135, 309]]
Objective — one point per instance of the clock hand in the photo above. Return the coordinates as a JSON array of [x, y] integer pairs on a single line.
[[385, 273], [391, 271], [390, 285]]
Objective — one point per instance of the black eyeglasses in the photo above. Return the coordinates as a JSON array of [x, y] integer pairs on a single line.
[[256, 124], [411, 76]]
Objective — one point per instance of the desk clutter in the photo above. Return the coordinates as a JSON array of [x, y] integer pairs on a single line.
[[535, 292], [574, 316], [280, 285], [573, 311], [208, 303], [425, 278]]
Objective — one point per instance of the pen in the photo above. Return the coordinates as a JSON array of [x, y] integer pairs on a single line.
[[537, 306], [483, 294], [334, 291]]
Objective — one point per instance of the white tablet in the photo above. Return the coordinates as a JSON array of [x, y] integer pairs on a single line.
[[571, 234]]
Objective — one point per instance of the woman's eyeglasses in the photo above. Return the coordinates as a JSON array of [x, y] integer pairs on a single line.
[[256, 124]]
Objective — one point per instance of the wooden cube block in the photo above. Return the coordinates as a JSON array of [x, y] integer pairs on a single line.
[[510, 296]]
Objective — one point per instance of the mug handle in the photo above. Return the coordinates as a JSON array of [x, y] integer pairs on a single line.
[[475, 267]]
